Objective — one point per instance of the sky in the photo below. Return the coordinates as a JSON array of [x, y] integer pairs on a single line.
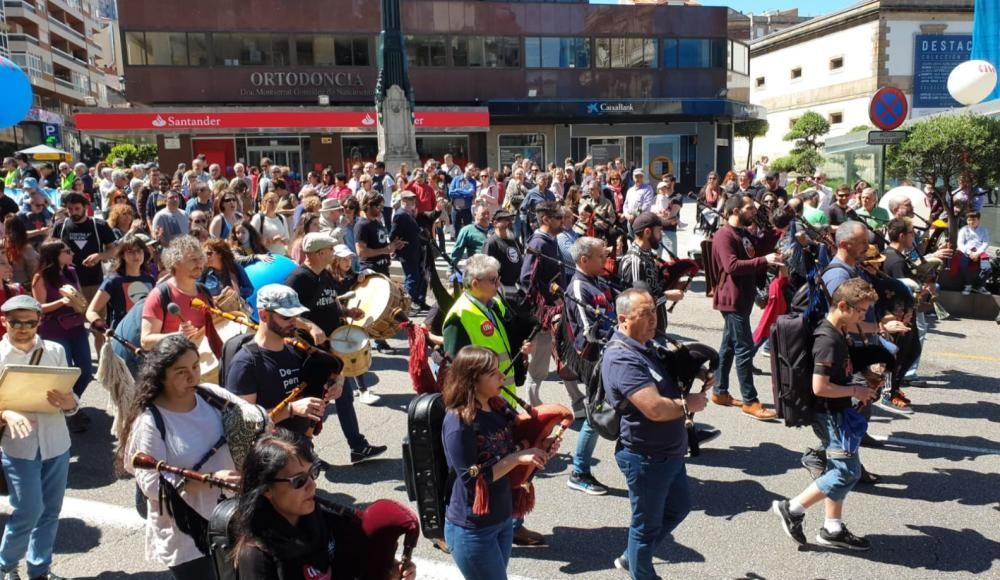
[[806, 7]]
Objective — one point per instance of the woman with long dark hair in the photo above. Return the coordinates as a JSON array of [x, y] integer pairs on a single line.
[[226, 215], [130, 282], [308, 223], [480, 449], [246, 244], [20, 253], [168, 395], [222, 271], [283, 532], [60, 323]]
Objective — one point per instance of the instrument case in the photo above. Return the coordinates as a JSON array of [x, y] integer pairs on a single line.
[[425, 470]]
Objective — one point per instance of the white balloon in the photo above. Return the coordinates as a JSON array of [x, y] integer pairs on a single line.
[[972, 81]]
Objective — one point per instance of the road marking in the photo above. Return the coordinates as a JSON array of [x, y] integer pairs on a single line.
[[110, 515], [965, 356], [919, 443]]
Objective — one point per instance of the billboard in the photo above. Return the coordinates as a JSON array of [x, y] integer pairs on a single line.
[[934, 57]]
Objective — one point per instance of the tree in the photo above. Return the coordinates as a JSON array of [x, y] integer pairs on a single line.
[[750, 130], [132, 154], [942, 148], [805, 156], [804, 161], [861, 129]]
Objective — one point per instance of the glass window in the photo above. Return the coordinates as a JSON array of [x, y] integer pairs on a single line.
[[502, 51], [741, 58], [467, 51], [135, 48], [695, 52], [427, 50], [670, 53], [250, 49], [166, 48], [314, 50], [625, 52], [352, 50], [557, 52], [528, 146], [197, 49]]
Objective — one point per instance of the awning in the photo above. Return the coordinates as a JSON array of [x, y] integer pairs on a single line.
[[622, 110], [46, 153], [236, 120]]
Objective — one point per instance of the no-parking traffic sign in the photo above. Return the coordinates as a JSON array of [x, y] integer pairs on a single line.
[[888, 108]]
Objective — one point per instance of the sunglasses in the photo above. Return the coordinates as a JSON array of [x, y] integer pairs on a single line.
[[299, 480], [22, 324]]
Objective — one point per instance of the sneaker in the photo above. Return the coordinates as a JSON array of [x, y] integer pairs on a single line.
[[894, 405], [726, 400], [525, 537], [704, 434], [757, 411], [621, 563], [792, 524], [983, 290], [586, 483], [844, 539], [814, 460], [383, 347], [368, 397], [967, 290], [369, 452]]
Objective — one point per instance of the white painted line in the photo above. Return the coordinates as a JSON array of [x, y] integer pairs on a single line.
[[104, 514], [919, 443]]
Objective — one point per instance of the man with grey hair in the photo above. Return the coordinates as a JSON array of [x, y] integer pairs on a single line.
[[591, 318], [80, 170]]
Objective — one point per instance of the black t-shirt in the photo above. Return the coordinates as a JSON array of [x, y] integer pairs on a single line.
[[268, 374], [124, 292], [895, 265], [318, 293], [510, 256], [85, 238], [373, 234], [831, 356], [837, 215]]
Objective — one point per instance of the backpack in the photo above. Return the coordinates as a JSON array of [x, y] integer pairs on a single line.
[[812, 298], [604, 418], [233, 346]]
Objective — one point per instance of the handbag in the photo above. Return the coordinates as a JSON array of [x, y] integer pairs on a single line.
[[36, 357]]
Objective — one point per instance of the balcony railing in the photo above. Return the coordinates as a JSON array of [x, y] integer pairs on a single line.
[[21, 37], [67, 28], [24, 4]]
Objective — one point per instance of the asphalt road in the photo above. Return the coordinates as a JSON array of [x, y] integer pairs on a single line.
[[935, 515]]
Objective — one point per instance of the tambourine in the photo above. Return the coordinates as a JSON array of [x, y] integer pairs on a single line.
[[76, 300]]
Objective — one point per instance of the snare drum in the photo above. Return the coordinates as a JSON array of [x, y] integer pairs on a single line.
[[352, 345], [384, 303]]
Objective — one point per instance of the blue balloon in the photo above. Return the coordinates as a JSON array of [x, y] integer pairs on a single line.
[[15, 97], [263, 273]]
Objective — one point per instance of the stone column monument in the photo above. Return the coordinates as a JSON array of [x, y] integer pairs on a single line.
[[397, 141]]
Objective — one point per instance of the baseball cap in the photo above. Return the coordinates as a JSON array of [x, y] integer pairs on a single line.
[[330, 205], [21, 302], [29, 183], [662, 185], [645, 220], [772, 175], [502, 214], [406, 193], [278, 298], [638, 172], [316, 241], [342, 251]]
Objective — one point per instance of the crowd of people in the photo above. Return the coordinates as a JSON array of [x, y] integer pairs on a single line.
[[554, 264]]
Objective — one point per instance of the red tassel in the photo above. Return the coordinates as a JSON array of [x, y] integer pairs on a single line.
[[524, 499], [421, 376], [481, 505]]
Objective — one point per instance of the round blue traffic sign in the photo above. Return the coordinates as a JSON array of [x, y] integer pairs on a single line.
[[888, 108]]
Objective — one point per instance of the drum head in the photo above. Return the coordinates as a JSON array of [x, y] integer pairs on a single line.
[[372, 296], [348, 339]]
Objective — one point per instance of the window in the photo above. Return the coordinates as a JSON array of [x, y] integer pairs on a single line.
[[486, 51], [352, 51], [836, 118], [527, 145], [427, 50], [250, 49], [694, 52], [557, 52], [792, 122], [837, 63], [314, 50], [740, 58], [759, 82], [797, 73], [135, 48], [197, 45], [625, 52], [166, 48]]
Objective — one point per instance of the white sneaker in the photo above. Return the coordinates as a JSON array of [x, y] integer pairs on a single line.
[[369, 398], [983, 290], [967, 290]]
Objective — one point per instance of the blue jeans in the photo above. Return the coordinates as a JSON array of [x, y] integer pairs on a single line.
[[349, 421], [921, 320], [413, 280], [658, 493], [36, 496], [461, 217], [584, 448], [481, 553], [737, 343], [843, 469], [77, 349]]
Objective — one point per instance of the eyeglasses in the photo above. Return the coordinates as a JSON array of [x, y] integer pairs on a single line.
[[299, 480], [22, 324], [229, 200], [66, 251], [491, 279]]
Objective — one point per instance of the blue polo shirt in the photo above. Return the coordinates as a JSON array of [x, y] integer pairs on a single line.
[[627, 370]]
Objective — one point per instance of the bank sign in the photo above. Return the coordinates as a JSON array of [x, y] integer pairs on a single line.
[[934, 57]]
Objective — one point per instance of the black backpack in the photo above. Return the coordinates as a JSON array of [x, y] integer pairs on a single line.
[[604, 418]]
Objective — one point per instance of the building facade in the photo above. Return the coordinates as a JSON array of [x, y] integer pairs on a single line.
[[52, 41], [747, 26], [833, 64], [657, 85]]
